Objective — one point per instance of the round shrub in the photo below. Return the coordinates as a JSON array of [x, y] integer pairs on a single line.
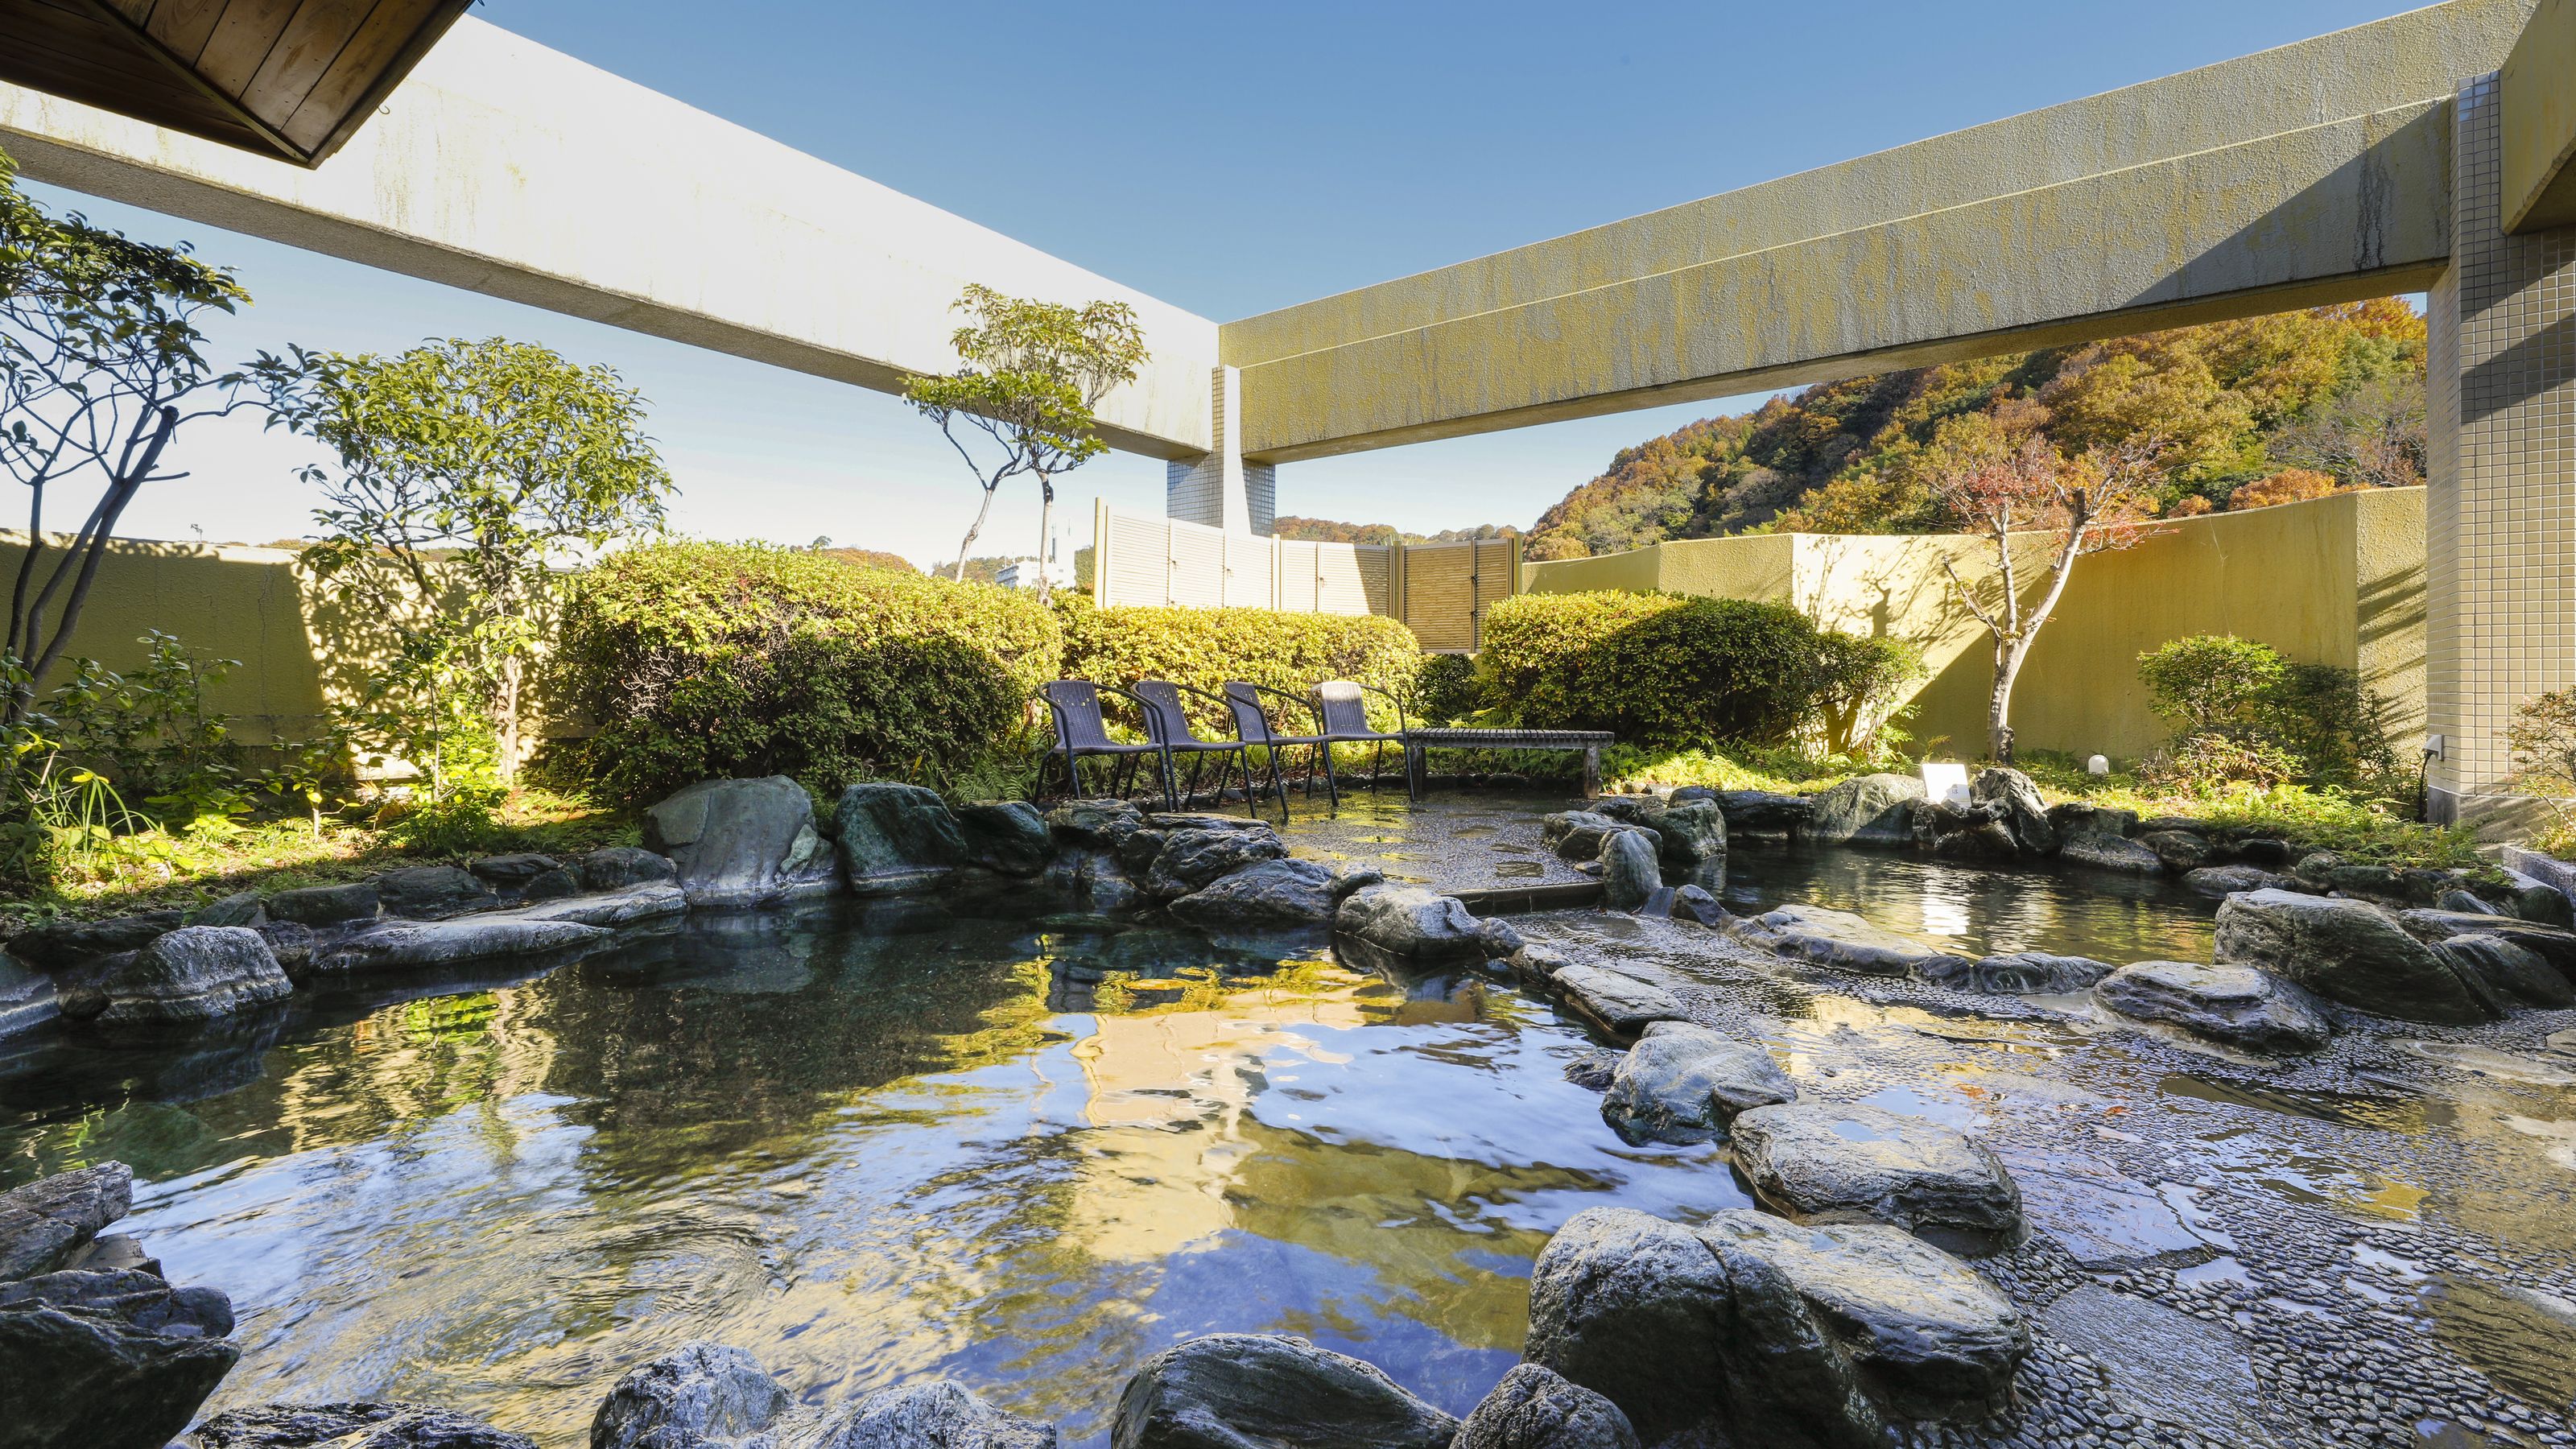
[[701, 660], [1661, 671]]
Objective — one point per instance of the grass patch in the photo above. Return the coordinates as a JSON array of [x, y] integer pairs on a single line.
[[156, 869]]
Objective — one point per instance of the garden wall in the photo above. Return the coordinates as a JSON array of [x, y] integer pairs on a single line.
[[2336, 581]]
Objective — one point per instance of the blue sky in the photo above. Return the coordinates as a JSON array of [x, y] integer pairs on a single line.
[[1229, 159]]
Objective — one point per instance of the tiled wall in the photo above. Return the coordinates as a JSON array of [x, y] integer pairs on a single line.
[[1220, 489], [2501, 516]]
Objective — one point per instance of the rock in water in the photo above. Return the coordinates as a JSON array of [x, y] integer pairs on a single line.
[[2226, 880], [2105, 851], [2511, 970], [2239, 1006], [1410, 921], [894, 838], [2022, 813], [698, 1396], [43, 1224], [431, 892], [195, 973], [940, 1414], [2552, 944], [1830, 1162], [352, 1426], [107, 1360], [1009, 836], [615, 867], [1537, 1408], [1759, 812], [1630, 869], [1196, 857], [1871, 810], [1688, 833], [610, 908], [2165, 1365], [1579, 834], [1619, 1004], [1833, 938], [1268, 893], [1103, 823], [325, 905], [740, 842], [1262, 1391], [2023, 973], [2350, 951], [1684, 1083], [1751, 1330], [393, 945]]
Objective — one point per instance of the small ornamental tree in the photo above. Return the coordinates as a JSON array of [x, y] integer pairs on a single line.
[[99, 370], [468, 473], [2000, 486], [1032, 374]]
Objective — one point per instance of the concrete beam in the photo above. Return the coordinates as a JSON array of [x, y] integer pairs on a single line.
[[507, 168], [2538, 92], [2316, 172]]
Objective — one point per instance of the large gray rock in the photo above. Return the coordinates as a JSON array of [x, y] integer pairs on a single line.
[[431, 892], [391, 1425], [2349, 951], [894, 838], [2104, 851], [1104, 823], [1833, 938], [2180, 851], [2239, 1006], [514, 871], [241, 908], [611, 909], [1619, 1004], [1750, 1330], [48, 1221], [939, 1414], [107, 1360], [1684, 1083], [1759, 812], [402, 945], [1579, 834], [741, 842], [1009, 836], [2019, 808], [2220, 881], [2164, 1365], [1535, 1407], [1090, 878], [1688, 833], [1262, 1391], [2512, 971], [69, 943], [1829, 1162], [1872, 810], [698, 1396], [28, 998], [325, 905], [615, 867], [2021, 973], [2553, 944], [1631, 871], [195, 973], [1195, 857], [1268, 893], [1410, 921]]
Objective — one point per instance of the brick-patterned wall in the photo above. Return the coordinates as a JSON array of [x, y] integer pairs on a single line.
[[2501, 517]]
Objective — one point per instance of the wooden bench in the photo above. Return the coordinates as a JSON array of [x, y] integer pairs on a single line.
[[1418, 744]]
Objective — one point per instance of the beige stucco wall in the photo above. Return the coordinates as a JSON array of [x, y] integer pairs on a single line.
[[2336, 581]]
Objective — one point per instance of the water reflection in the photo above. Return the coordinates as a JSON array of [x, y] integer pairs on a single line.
[[869, 1156]]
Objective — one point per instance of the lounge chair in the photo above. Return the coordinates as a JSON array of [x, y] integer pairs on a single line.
[[1081, 732], [1169, 723], [1343, 705], [1252, 726]]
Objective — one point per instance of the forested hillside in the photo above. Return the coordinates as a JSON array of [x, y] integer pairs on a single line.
[[1325, 530], [2266, 410]]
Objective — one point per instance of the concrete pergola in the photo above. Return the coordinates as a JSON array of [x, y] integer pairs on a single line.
[[2428, 151]]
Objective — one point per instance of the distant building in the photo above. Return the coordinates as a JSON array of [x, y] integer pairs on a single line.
[[1022, 573]]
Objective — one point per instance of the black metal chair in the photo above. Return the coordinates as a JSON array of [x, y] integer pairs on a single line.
[[1169, 724], [1252, 725], [1343, 706], [1082, 733]]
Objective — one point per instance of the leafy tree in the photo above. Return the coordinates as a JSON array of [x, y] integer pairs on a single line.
[[2078, 506], [468, 473], [1032, 373], [99, 370], [2210, 683], [2290, 485]]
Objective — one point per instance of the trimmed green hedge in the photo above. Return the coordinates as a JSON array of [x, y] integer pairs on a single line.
[[697, 660], [1669, 672], [1203, 648]]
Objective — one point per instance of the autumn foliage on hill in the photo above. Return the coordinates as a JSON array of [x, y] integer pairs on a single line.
[[2243, 414]]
